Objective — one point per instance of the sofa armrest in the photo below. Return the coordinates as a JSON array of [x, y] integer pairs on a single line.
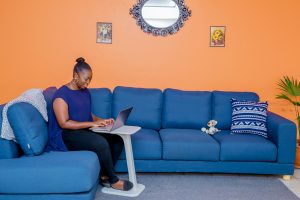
[[282, 132]]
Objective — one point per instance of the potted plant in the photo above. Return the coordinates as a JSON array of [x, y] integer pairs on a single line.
[[290, 91]]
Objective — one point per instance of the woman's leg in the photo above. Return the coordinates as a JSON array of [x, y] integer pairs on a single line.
[[116, 145], [87, 140]]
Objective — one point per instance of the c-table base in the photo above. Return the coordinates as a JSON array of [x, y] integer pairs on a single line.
[[134, 192], [125, 132]]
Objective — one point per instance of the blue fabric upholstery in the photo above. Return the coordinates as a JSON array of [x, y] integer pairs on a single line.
[[74, 175], [29, 127], [146, 145], [147, 106], [48, 95], [101, 102], [90, 195], [186, 109], [282, 133], [54, 172], [188, 144], [221, 106], [245, 147], [208, 166], [8, 148]]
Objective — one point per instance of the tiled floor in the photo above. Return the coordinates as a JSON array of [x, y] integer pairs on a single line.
[[294, 183]]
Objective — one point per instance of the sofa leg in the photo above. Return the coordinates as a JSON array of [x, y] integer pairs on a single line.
[[286, 177]]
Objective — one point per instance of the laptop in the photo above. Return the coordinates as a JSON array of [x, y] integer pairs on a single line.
[[119, 122]]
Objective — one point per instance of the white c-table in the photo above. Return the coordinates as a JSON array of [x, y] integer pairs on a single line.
[[125, 132]]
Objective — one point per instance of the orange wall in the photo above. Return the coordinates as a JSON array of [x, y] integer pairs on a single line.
[[40, 41]]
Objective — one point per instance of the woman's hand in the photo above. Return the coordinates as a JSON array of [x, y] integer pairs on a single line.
[[102, 122], [109, 121], [98, 123]]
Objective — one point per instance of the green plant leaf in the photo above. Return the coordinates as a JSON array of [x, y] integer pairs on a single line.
[[284, 96], [290, 89], [289, 86]]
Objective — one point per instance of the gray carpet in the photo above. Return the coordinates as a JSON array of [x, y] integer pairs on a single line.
[[197, 186]]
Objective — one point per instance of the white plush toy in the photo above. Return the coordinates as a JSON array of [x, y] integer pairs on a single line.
[[212, 129]]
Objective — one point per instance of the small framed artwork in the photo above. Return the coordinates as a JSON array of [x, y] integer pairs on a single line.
[[217, 36], [104, 32]]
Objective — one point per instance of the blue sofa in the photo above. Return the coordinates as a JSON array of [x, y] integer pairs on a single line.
[[170, 141]]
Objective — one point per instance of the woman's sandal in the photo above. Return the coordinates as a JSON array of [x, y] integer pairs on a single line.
[[127, 185]]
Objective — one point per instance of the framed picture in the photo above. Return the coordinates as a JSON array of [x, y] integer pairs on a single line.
[[104, 32], [217, 36]]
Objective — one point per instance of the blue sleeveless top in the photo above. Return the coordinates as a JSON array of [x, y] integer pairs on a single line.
[[79, 109]]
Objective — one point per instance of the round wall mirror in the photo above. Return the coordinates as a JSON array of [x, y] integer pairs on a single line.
[[160, 17], [160, 13]]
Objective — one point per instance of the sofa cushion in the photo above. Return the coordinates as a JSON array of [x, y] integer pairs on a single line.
[[249, 117], [186, 109], [146, 145], [54, 172], [245, 147], [221, 106], [101, 102], [29, 127], [147, 106], [8, 148], [188, 144], [48, 96]]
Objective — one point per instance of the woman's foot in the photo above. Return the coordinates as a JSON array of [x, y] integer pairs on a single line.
[[122, 185], [104, 181]]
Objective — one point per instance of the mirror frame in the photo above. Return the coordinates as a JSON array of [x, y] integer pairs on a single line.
[[184, 14]]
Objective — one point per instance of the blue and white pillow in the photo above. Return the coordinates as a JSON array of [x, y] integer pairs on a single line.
[[249, 117]]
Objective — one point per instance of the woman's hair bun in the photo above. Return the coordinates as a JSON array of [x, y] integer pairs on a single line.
[[80, 60]]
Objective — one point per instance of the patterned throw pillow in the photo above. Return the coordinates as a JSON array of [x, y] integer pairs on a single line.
[[249, 117]]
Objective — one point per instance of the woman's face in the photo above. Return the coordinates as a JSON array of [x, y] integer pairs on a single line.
[[83, 78]]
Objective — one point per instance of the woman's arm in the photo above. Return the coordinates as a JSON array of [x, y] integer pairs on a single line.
[[60, 108], [95, 118]]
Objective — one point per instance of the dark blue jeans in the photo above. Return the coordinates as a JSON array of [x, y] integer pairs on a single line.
[[108, 148]]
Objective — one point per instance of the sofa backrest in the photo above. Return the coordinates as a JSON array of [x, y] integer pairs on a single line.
[[186, 109], [101, 102], [48, 95], [8, 148], [146, 102], [221, 105]]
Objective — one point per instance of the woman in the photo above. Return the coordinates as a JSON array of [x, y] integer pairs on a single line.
[[69, 122]]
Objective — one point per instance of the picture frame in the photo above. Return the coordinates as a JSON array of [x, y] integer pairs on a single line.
[[217, 36], [104, 32]]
